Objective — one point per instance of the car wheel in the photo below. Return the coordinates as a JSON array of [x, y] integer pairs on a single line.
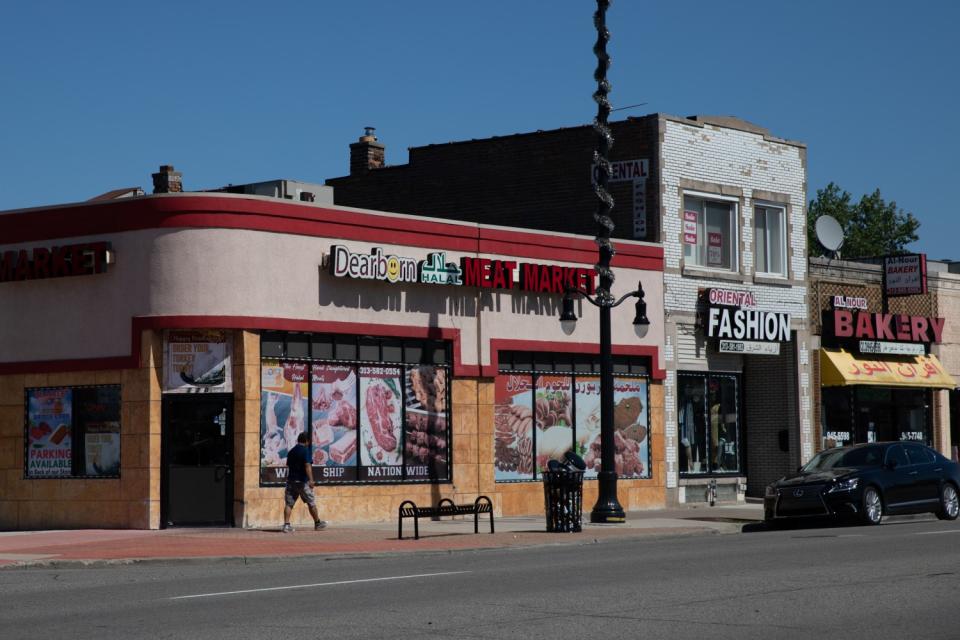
[[949, 503], [872, 506]]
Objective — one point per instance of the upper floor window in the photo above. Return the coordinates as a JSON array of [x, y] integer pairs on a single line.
[[770, 238], [709, 233]]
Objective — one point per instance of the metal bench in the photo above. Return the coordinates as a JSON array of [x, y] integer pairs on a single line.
[[445, 507]]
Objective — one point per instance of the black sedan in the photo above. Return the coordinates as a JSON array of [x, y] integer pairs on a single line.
[[866, 482]]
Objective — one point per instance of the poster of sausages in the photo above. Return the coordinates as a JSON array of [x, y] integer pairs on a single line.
[[333, 417], [49, 430], [425, 424], [630, 428], [381, 413], [283, 415], [513, 427], [553, 418]]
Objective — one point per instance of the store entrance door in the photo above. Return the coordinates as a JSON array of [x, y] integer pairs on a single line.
[[197, 479]]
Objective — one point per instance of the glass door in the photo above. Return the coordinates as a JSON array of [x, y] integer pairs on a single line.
[[197, 456]]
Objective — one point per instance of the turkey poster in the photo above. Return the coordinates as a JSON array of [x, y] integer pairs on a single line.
[[283, 414], [197, 361], [553, 408], [333, 416], [381, 413], [513, 427]]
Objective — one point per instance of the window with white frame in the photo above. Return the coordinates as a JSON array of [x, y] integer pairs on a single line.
[[770, 240], [709, 232]]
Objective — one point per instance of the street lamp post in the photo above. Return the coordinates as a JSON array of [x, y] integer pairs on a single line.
[[607, 508]]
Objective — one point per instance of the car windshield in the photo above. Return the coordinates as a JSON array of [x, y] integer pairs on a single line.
[[860, 457]]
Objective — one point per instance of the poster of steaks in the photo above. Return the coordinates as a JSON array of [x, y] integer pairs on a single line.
[[381, 423], [333, 418], [367, 423], [425, 423]]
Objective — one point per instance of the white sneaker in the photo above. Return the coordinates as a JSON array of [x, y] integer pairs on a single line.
[[319, 525], [287, 528]]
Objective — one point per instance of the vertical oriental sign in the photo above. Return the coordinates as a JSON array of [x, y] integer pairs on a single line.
[[49, 419], [198, 361]]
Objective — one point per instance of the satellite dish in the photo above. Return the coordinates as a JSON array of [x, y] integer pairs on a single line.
[[829, 233]]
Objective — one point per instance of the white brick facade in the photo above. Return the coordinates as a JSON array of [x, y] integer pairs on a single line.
[[737, 161]]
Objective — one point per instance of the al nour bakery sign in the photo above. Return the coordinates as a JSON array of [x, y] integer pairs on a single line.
[[485, 273], [734, 321]]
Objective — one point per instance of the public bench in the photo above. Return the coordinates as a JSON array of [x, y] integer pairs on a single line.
[[445, 507]]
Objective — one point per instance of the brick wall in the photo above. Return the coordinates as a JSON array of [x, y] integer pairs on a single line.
[[766, 413], [536, 180], [747, 164]]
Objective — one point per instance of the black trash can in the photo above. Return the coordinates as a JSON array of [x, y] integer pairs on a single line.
[[563, 499]]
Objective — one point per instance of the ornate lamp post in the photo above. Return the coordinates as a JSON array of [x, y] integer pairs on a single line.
[[607, 508]]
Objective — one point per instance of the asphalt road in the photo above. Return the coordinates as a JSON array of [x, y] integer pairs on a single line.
[[899, 580]]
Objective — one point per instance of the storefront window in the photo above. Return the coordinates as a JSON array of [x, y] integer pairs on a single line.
[[709, 423], [709, 233], [72, 432], [369, 422], [540, 415], [853, 415]]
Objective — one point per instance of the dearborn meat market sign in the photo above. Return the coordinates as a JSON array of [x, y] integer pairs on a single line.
[[484, 273], [731, 317]]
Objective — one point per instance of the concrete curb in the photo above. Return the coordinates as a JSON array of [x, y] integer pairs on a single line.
[[632, 535]]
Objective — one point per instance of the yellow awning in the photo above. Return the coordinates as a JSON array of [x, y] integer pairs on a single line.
[[839, 368]]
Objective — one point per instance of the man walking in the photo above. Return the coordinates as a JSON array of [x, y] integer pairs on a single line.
[[300, 483]]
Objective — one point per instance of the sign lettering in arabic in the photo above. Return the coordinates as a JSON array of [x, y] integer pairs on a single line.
[[749, 347], [905, 275], [55, 262], [892, 348]]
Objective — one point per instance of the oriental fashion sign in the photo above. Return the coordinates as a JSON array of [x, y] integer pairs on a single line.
[[471, 272], [732, 319]]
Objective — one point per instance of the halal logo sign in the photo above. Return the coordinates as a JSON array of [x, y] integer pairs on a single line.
[[377, 265]]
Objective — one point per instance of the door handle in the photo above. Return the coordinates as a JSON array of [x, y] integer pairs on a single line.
[[938, 469], [913, 473]]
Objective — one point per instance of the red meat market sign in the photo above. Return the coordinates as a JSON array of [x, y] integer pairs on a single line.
[[54, 262], [885, 326]]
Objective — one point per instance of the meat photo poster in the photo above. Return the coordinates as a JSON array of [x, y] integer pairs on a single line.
[[333, 416], [49, 426], [425, 437], [513, 427], [588, 423], [631, 428], [381, 409], [553, 419], [283, 413]]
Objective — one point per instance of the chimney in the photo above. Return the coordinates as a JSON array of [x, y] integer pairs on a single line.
[[366, 153], [167, 180]]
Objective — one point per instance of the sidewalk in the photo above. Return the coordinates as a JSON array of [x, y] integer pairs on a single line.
[[111, 546]]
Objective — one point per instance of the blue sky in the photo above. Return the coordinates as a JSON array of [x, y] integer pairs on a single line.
[[96, 95]]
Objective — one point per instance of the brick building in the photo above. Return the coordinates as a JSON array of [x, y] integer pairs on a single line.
[[870, 387], [726, 200]]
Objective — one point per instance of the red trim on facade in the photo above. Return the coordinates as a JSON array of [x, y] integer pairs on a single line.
[[656, 372], [139, 324], [195, 211]]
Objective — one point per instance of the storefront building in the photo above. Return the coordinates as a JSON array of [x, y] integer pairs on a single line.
[[728, 202], [160, 354], [884, 372]]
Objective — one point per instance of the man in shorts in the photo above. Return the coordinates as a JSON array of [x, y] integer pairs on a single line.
[[300, 483]]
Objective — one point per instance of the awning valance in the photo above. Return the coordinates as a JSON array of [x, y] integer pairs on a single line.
[[839, 368]]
